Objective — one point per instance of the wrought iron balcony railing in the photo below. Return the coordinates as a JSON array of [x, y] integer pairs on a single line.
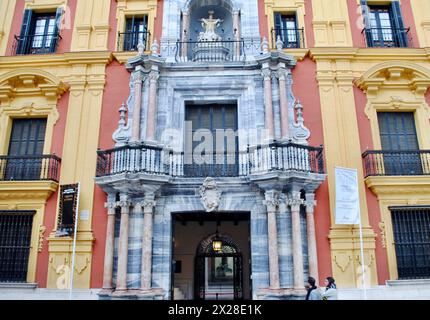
[[397, 163], [387, 37], [36, 44], [257, 160], [29, 168], [291, 38], [210, 51], [128, 41]]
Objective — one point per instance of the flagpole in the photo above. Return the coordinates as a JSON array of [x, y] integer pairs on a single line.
[[74, 245], [363, 267]]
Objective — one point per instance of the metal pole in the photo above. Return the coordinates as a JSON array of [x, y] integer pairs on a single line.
[[363, 268], [74, 246]]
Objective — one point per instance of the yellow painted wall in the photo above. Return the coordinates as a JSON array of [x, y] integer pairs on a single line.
[[421, 11], [6, 7]]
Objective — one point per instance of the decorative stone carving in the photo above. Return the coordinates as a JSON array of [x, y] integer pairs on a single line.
[[294, 200], [111, 206], [342, 261], [210, 194], [265, 45], [301, 134], [120, 136], [148, 204], [154, 48], [140, 48], [271, 200], [209, 25], [42, 230], [383, 233]]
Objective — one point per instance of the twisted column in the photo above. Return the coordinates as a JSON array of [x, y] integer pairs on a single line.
[[147, 205], [282, 76], [138, 81], [268, 102], [109, 248], [312, 243], [294, 202], [152, 105], [121, 281], [272, 203]]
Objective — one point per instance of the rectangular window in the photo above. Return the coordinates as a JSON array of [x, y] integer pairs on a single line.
[[136, 31], [213, 149], [15, 244], [286, 29], [411, 228], [39, 32], [25, 150], [400, 143], [384, 25]]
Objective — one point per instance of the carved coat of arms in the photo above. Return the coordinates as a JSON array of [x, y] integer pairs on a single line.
[[210, 194]]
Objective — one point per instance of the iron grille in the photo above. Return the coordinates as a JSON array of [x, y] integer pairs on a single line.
[[411, 227], [15, 241]]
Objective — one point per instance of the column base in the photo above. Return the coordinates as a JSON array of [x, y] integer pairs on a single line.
[[132, 294], [281, 294]]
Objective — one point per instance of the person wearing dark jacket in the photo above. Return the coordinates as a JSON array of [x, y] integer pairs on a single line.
[[313, 292]]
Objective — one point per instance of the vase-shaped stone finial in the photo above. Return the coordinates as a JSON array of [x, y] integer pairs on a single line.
[[265, 45], [279, 43]]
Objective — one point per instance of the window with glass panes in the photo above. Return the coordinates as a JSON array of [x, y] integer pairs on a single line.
[[286, 28], [136, 30]]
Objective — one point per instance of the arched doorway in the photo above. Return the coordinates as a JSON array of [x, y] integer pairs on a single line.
[[218, 273]]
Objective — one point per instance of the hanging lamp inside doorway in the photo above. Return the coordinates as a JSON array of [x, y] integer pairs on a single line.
[[217, 242]]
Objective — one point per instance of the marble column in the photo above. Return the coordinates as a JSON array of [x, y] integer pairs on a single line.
[[267, 75], [272, 204], [311, 237], [185, 32], [121, 281], [148, 205], [152, 106], [282, 76], [137, 104], [294, 202], [109, 248], [236, 29]]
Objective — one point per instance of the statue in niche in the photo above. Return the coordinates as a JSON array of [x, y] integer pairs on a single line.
[[209, 25]]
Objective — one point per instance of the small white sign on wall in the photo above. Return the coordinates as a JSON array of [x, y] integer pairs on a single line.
[[85, 215]]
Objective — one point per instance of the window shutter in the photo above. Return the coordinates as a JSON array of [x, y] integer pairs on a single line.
[[25, 32], [367, 27], [398, 24], [56, 34]]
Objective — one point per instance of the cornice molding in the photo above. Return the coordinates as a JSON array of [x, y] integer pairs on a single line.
[[399, 187], [38, 191]]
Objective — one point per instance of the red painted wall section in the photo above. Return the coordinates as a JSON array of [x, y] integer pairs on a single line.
[[66, 31], [158, 28], [116, 92], [51, 204], [262, 18], [357, 24], [366, 143], [309, 30], [306, 90], [113, 23], [408, 18]]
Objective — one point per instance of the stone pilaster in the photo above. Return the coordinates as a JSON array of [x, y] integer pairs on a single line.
[[121, 282], [282, 76], [138, 81], [111, 205], [147, 205], [152, 105], [272, 204], [236, 29], [294, 202], [268, 102], [185, 32], [311, 237]]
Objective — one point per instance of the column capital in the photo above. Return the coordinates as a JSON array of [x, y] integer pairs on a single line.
[[266, 73], [282, 73], [310, 202], [271, 200], [147, 204], [294, 200], [154, 76], [124, 203], [111, 206]]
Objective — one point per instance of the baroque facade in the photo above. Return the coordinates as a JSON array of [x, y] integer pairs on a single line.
[[129, 98]]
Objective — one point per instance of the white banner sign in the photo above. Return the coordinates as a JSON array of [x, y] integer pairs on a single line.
[[347, 209]]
